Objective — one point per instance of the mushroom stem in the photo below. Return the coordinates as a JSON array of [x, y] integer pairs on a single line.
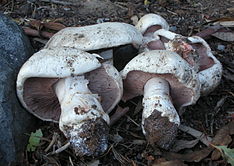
[[160, 119], [82, 118]]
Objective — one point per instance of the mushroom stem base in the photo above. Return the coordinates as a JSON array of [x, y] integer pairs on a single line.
[[160, 119], [82, 118]]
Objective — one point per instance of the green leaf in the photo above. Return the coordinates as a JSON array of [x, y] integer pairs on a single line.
[[227, 153], [146, 2], [34, 140]]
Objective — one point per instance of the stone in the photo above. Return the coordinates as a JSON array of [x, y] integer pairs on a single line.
[[15, 121]]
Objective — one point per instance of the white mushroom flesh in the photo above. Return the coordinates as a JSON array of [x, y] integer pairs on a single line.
[[157, 98], [160, 120], [79, 106]]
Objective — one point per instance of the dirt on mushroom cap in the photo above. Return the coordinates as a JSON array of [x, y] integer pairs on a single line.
[[168, 65], [98, 36]]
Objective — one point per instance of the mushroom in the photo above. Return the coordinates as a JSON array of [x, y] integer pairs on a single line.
[[168, 83], [98, 38], [198, 54], [147, 25], [63, 85]]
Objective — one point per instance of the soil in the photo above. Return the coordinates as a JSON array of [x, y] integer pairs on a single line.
[[127, 143]]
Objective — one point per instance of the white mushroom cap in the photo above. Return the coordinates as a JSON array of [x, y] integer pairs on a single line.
[[49, 65], [210, 77], [53, 86], [168, 65], [94, 37], [149, 20], [54, 63]]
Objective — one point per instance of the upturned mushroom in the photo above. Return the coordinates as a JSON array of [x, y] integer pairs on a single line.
[[147, 25], [98, 38], [168, 83], [197, 53], [63, 85]]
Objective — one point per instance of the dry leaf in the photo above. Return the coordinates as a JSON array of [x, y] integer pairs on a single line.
[[197, 134], [226, 22], [170, 163], [33, 32], [36, 24], [118, 114], [227, 153], [205, 33], [215, 155], [222, 137], [196, 156], [54, 26], [184, 144], [225, 36]]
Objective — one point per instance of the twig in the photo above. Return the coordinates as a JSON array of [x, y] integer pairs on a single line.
[[54, 138], [133, 121], [59, 2], [118, 114], [70, 160], [59, 150], [216, 111], [33, 32], [42, 41], [197, 134]]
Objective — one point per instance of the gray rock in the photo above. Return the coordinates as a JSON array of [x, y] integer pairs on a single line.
[[15, 49]]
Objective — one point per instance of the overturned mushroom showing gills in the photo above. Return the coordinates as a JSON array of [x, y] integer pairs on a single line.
[[147, 25], [168, 83], [54, 85], [198, 54], [98, 38]]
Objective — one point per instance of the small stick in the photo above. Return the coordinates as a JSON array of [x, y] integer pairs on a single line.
[[59, 2], [197, 134], [54, 138], [118, 114], [59, 150], [33, 32]]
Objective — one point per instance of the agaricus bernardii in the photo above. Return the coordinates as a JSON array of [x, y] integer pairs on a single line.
[[98, 38], [167, 83], [197, 53], [63, 85], [147, 25]]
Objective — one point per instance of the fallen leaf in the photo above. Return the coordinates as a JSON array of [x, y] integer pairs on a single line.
[[227, 153], [54, 26], [36, 24], [146, 2], [170, 163], [197, 134], [225, 21], [195, 156], [205, 33], [215, 155], [34, 140], [222, 137], [183, 144], [93, 163], [118, 114], [33, 32], [225, 36]]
